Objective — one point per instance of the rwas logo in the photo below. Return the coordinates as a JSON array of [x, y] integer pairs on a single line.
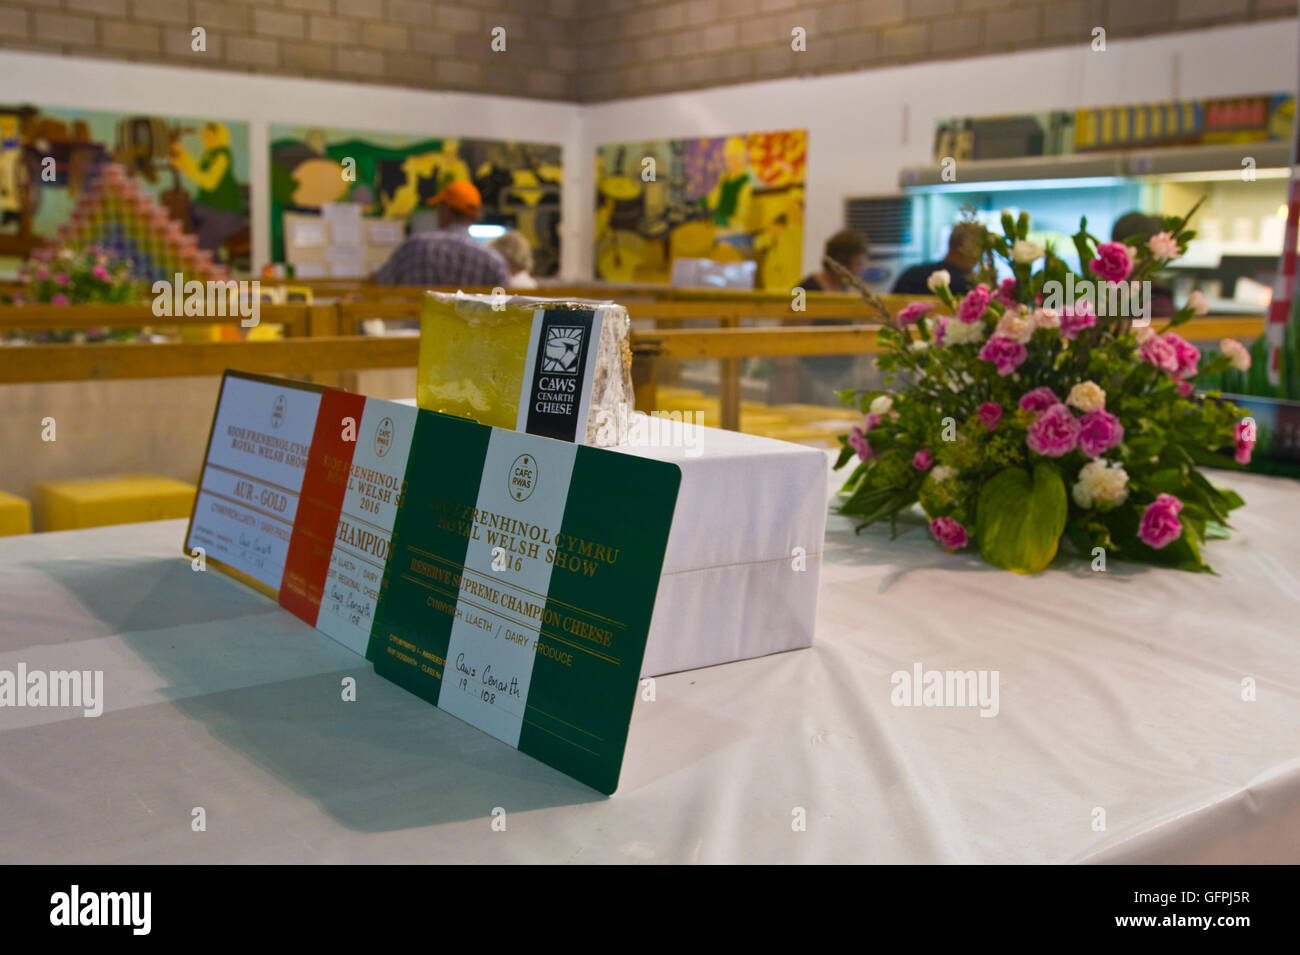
[[522, 480], [383, 437]]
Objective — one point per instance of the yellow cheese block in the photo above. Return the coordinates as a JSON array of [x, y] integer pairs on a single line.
[[472, 359], [15, 515], [120, 499], [473, 352]]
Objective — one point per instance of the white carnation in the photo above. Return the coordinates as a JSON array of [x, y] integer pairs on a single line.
[[1100, 483], [942, 472], [938, 279], [881, 405], [920, 345], [1087, 396], [1024, 251], [961, 333], [1046, 318], [1015, 325]]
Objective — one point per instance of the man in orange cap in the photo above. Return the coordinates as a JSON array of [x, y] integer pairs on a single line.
[[448, 256]]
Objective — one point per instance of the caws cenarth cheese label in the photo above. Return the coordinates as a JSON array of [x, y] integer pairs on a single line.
[[555, 399]]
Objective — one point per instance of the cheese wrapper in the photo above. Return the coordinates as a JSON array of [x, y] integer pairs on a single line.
[[474, 355]]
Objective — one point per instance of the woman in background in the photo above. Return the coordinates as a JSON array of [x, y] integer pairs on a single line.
[[514, 248]]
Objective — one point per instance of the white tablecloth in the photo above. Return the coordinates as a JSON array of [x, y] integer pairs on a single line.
[[1119, 692]]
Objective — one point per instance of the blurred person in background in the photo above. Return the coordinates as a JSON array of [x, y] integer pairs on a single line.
[[1136, 223], [819, 376], [448, 256], [963, 255], [849, 249], [514, 248]]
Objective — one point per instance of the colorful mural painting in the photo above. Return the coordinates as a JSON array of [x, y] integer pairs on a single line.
[[727, 199], [393, 175], [195, 171]]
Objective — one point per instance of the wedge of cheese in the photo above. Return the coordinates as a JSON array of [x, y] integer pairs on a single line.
[[474, 349]]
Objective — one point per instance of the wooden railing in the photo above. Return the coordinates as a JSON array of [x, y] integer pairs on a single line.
[[322, 341]]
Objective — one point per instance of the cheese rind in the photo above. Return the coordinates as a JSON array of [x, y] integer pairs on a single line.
[[474, 349]]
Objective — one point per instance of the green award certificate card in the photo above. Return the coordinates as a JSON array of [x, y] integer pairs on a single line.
[[519, 588]]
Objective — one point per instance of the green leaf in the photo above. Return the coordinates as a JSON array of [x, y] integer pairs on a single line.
[[1210, 459], [1020, 518], [1232, 499], [893, 502], [1169, 480]]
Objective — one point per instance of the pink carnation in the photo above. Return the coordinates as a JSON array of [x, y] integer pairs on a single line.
[[1236, 352], [1099, 431], [990, 413], [1160, 525], [1007, 292], [42, 273], [1245, 445], [100, 273], [914, 311], [1006, 353], [1163, 246], [922, 460], [59, 299], [1160, 353], [1112, 262], [872, 421], [949, 533], [61, 278], [858, 442], [1184, 389], [1075, 318], [1054, 433], [1187, 354], [1040, 399], [974, 305]]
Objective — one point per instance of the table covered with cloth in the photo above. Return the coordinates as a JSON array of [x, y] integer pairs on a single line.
[[1142, 715]]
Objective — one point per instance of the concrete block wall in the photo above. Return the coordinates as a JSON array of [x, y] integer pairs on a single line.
[[585, 50], [414, 43]]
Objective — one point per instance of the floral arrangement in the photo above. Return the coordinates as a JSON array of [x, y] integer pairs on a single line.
[[77, 277], [1044, 407]]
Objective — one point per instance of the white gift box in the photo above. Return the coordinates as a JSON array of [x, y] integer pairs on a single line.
[[745, 550]]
